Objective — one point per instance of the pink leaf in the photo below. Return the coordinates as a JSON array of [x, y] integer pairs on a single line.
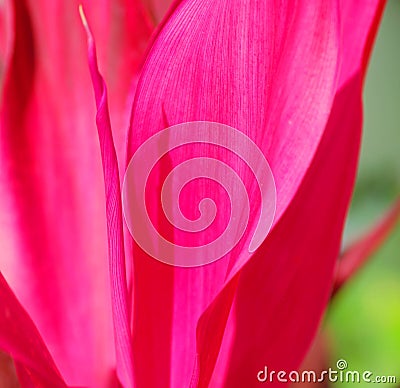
[[52, 219], [119, 292], [289, 77], [20, 338]]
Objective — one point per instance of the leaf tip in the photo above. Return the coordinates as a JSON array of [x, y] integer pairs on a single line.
[[83, 16]]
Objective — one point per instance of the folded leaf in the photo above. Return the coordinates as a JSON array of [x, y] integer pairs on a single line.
[[270, 70], [283, 290]]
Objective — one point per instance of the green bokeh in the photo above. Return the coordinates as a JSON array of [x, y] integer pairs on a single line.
[[364, 319]]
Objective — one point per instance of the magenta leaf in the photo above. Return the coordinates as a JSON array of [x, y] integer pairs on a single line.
[[52, 219], [290, 78], [20, 338], [119, 291]]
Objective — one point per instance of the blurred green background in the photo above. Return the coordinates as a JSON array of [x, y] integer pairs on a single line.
[[363, 321]]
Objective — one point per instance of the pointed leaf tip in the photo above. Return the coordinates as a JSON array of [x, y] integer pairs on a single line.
[[83, 16], [119, 294]]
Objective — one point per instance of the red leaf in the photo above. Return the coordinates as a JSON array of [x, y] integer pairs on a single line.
[[357, 254]]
